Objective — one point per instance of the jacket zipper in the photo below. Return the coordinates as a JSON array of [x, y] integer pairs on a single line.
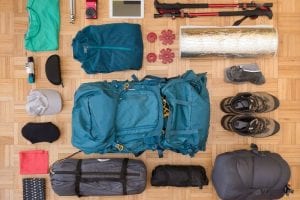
[[85, 48]]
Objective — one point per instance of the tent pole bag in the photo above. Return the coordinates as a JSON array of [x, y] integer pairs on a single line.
[[98, 177]]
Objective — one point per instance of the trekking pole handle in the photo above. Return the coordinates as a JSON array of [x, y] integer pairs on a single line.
[[161, 15], [249, 13], [178, 6], [255, 5], [175, 15]]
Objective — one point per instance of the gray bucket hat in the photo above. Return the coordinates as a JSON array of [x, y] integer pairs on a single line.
[[43, 102]]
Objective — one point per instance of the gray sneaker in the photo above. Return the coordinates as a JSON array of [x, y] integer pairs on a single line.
[[254, 102], [248, 125], [244, 73]]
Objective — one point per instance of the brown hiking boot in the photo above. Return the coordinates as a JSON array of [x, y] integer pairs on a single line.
[[249, 125], [255, 102]]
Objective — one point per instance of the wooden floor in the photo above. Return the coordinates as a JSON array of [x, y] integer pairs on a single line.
[[282, 73]]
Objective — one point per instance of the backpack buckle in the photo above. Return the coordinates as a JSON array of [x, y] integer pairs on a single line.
[[254, 147], [126, 86], [166, 110], [119, 147]]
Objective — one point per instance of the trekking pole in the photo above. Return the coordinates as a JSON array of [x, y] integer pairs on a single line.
[[176, 10], [178, 6]]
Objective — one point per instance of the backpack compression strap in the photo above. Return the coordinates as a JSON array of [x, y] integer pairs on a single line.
[[123, 174], [78, 178]]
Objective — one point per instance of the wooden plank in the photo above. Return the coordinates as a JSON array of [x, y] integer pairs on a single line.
[[282, 74]]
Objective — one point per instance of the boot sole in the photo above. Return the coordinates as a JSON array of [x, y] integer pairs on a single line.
[[225, 120], [276, 130], [276, 102], [222, 105]]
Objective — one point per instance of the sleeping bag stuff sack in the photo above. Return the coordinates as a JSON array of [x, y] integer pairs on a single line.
[[98, 177], [179, 176], [251, 175], [110, 47], [151, 114]]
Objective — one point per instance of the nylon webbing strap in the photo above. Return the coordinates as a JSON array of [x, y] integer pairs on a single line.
[[123, 175], [78, 178]]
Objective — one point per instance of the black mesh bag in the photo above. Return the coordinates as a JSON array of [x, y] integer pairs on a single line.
[[179, 176]]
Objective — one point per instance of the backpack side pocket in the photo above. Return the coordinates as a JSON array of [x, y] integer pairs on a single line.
[[188, 120]]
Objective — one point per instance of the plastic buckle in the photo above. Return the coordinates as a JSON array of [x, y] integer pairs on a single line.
[[288, 190], [160, 153], [166, 111], [254, 147], [119, 147], [126, 86], [134, 77]]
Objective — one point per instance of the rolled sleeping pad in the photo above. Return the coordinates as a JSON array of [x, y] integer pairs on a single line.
[[231, 41]]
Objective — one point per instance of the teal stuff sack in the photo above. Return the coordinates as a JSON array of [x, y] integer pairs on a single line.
[[110, 47], [150, 114]]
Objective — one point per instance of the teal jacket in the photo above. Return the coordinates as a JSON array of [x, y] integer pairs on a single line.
[[127, 116], [44, 25], [109, 47]]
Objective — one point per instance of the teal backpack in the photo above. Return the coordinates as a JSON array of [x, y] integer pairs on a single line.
[[149, 114]]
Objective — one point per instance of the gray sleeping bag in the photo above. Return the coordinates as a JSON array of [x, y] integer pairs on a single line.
[[98, 177], [251, 175]]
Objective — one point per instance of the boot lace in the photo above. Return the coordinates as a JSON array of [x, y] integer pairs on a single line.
[[258, 104], [257, 126]]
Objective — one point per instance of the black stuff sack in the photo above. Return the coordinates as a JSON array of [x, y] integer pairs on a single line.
[[251, 175], [53, 71], [98, 177], [179, 176]]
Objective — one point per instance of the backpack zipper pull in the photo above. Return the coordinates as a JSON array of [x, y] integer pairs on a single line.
[[119, 147], [85, 49]]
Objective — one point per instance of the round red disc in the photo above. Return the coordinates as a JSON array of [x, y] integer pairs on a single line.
[[151, 57], [151, 37]]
